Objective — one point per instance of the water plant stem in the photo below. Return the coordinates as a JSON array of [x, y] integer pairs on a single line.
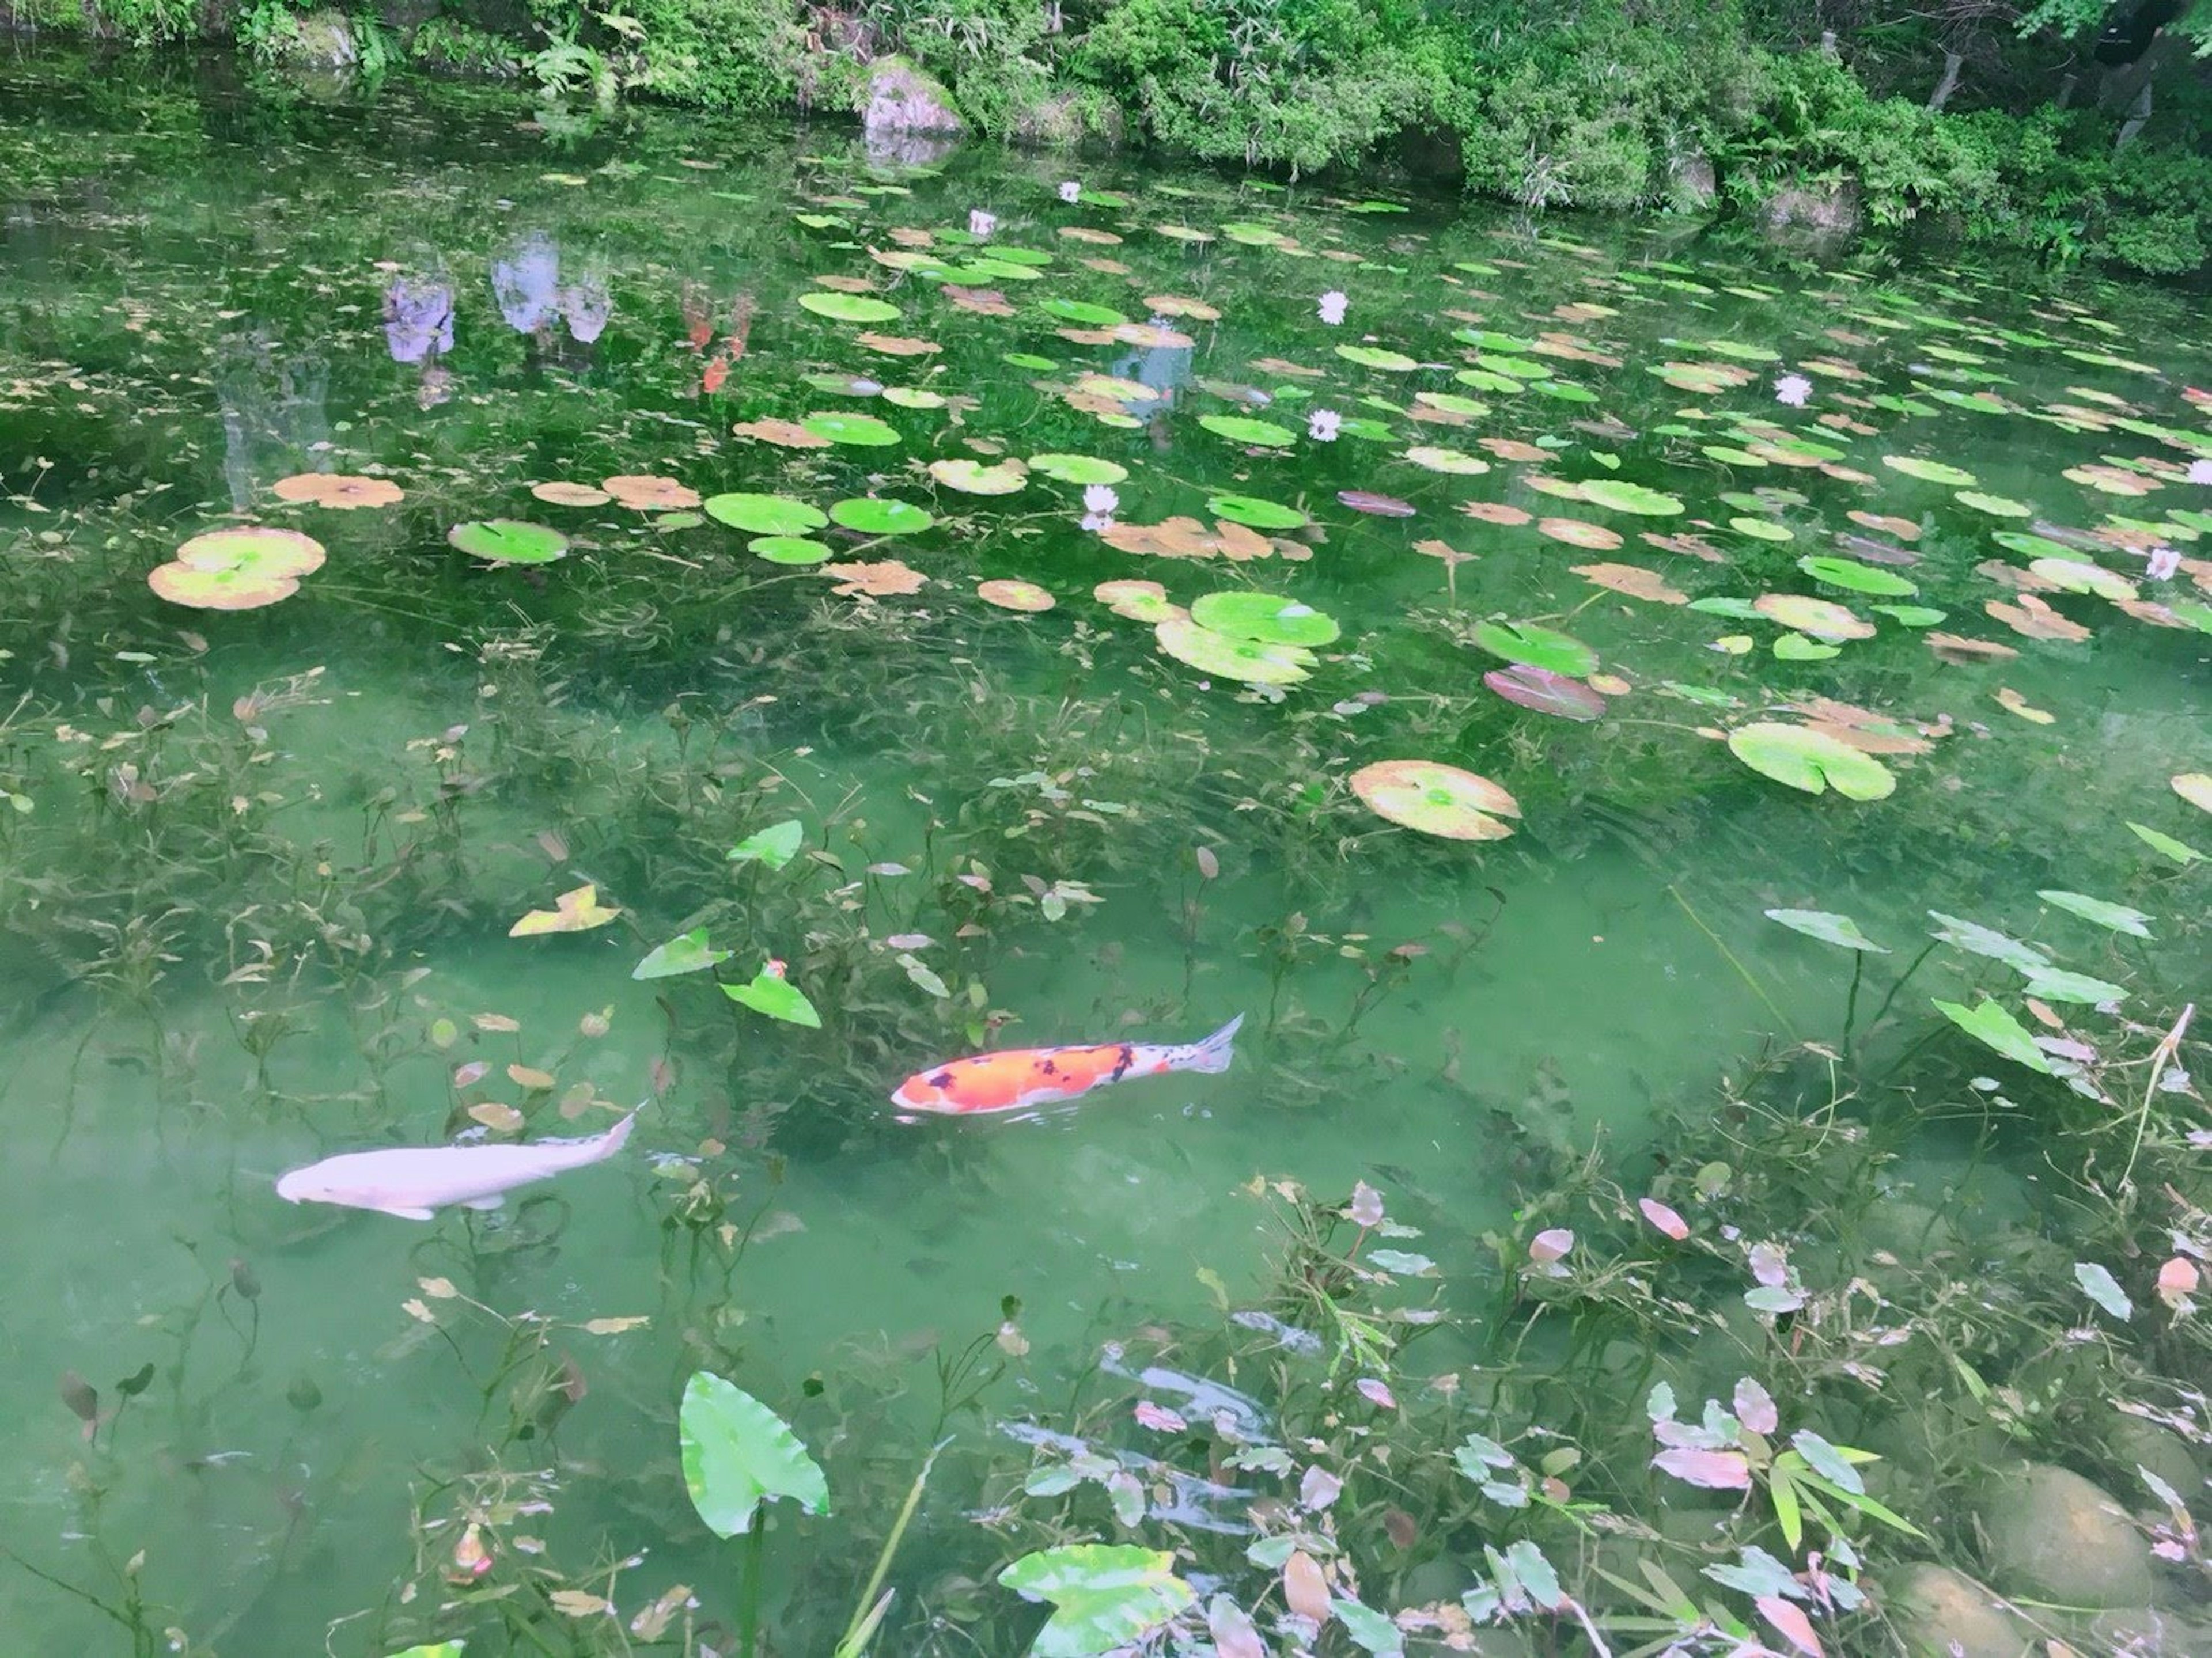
[[2162, 1056], [1729, 955], [749, 1594], [868, 1611], [1851, 1001]]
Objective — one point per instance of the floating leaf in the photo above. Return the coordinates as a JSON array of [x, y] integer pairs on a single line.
[[1078, 469], [1717, 1470], [791, 549], [775, 846], [1858, 577], [861, 431], [973, 478], [1828, 927], [1555, 694], [1930, 471], [848, 307], [1991, 1024], [738, 1454], [685, 953], [1255, 513], [773, 995], [337, 489], [1810, 760], [1666, 1219], [2057, 985], [1025, 595], [2181, 851], [1253, 661], [1538, 647], [1435, 798], [2117, 917], [1106, 1597], [1621, 496], [575, 911], [2101, 1287], [1243, 428], [1820, 617], [508, 541], [643, 493], [764, 515], [1988, 941], [2195, 787], [1267, 617]]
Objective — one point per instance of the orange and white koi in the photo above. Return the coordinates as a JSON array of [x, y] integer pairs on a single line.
[[1018, 1076]]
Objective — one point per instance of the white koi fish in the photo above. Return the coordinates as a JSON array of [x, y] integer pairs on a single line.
[[415, 1181]]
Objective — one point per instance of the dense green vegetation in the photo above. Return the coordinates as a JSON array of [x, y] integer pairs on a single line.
[[1999, 123]]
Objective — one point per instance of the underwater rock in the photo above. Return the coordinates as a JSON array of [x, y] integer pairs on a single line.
[[900, 103], [2054, 1535], [2136, 1443], [1939, 1613], [2146, 1630]]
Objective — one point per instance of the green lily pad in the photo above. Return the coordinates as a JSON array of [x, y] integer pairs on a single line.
[[861, 431], [1251, 661], [2119, 918], [2034, 546], [973, 478], [686, 953], [764, 515], [1374, 357], [1930, 471], [848, 307], [508, 541], [1030, 360], [910, 397], [1243, 428], [1828, 927], [791, 549], [1083, 313], [1911, 615], [1820, 617], [1538, 646], [1762, 529], [1849, 572], [880, 515], [1795, 647], [1995, 505], [1078, 469], [775, 846], [1457, 462], [1106, 1597], [737, 1454], [1621, 496], [1255, 513], [1810, 760], [1995, 1027], [2078, 575], [771, 994], [1265, 617]]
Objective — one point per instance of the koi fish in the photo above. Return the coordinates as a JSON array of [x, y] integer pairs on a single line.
[[413, 1182], [1018, 1076]]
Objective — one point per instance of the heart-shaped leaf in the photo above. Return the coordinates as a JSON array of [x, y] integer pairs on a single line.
[[775, 846], [687, 953], [771, 994], [576, 911], [737, 1454], [1105, 1596], [1993, 1026], [1828, 927]]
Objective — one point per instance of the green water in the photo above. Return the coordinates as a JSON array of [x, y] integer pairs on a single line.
[[260, 867]]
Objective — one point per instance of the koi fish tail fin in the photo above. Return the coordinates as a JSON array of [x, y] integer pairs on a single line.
[[618, 1137], [1214, 1055]]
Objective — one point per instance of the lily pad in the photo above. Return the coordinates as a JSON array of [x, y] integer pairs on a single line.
[[1083, 313], [880, 515], [1537, 647], [1545, 692], [1376, 356], [1106, 1597], [1930, 471], [791, 549], [1007, 595], [1849, 572], [1243, 428], [1255, 513], [771, 994], [577, 910], [1078, 469], [1621, 496], [1828, 927], [848, 307], [1435, 798], [775, 846], [1820, 617], [1265, 617], [687, 952], [1253, 661], [508, 541], [1811, 761], [1139, 601], [973, 478], [764, 515], [861, 431]]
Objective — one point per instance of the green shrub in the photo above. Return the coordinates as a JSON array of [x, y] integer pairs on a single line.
[[721, 54]]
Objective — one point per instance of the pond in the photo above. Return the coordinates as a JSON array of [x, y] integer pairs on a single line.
[[1690, 763]]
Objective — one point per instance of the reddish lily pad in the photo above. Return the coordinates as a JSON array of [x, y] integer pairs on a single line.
[[1436, 799]]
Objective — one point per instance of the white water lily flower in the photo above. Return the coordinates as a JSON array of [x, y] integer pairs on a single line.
[[1070, 189], [1793, 389], [1321, 425], [981, 224], [1100, 498], [1332, 306], [2200, 471], [2164, 562]]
